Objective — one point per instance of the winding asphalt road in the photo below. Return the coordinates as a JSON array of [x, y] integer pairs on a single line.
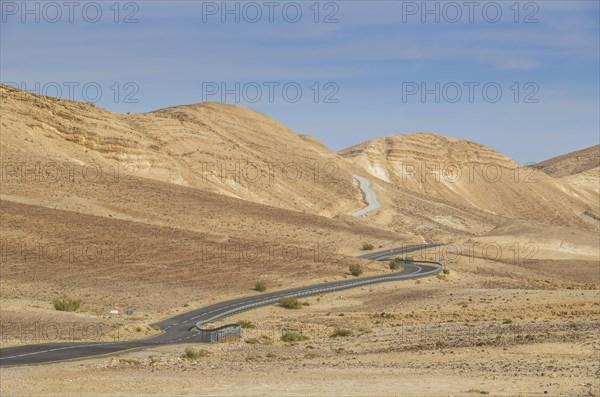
[[181, 328], [187, 327], [370, 197]]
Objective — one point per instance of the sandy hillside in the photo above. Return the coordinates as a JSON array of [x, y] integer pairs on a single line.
[[114, 209], [220, 148], [149, 245], [236, 152], [585, 186], [468, 174], [571, 163], [579, 174]]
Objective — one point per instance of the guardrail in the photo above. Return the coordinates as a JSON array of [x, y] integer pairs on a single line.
[[235, 329]]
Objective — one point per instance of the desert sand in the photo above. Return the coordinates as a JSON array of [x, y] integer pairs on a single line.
[[175, 209]]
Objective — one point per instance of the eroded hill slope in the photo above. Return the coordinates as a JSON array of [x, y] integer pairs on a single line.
[[468, 174], [225, 149]]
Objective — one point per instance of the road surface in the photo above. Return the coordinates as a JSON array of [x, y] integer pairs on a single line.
[[183, 328], [370, 197]]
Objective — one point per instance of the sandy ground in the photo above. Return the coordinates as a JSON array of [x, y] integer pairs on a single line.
[[547, 369], [455, 334], [134, 222]]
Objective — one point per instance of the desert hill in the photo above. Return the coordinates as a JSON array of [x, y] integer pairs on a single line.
[[225, 149], [571, 163], [471, 176], [579, 174], [117, 209], [431, 187], [86, 238]]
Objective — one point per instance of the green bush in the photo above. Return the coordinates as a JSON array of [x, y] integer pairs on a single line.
[[290, 303], [355, 269], [260, 286], [343, 332], [67, 305], [293, 337], [446, 271], [193, 354], [367, 247]]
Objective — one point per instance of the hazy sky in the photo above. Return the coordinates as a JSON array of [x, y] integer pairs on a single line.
[[521, 77]]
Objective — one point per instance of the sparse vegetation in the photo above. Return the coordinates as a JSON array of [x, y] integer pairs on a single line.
[[341, 332], [154, 359], [477, 391], [263, 340], [406, 259], [129, 361], [506, 321], [291, 336], [367, 247], [247, 324], [446, 271], [195, 354], [290, 303], [355, 269], [440, 344], [260, 286], [395, 264], [67, 304]]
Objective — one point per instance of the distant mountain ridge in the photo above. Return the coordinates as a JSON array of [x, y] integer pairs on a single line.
[[571, 163]]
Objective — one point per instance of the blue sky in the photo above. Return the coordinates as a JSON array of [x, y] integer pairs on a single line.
[[366, 58]]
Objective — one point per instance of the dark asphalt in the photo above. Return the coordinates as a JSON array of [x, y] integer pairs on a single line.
[[181, 328]]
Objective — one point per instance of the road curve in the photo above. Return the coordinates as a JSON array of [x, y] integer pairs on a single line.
[[370, 197], [183, 327]]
